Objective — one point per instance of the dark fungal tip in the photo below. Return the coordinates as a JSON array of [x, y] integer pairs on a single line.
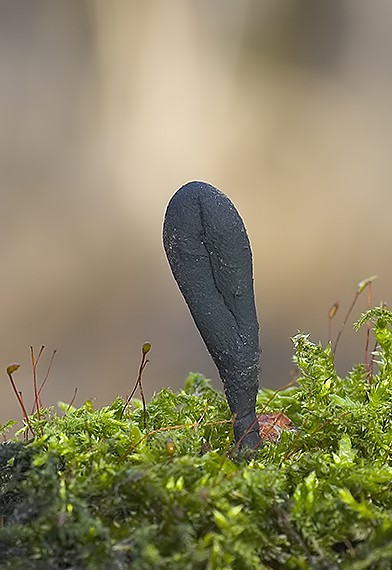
[[210, 256]]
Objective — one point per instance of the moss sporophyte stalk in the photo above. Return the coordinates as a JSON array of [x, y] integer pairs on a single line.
[[169, 484]]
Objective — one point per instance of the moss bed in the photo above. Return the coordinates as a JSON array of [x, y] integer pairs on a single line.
[[167, 489]]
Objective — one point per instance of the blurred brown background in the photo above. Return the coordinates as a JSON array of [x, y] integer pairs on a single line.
[[106, 108]]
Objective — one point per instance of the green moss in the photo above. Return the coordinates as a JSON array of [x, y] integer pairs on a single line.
[[167, 490]]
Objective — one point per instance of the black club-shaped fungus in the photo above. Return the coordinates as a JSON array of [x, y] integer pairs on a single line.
[[210, 256]]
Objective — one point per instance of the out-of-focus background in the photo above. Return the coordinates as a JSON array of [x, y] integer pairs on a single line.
[[106, 108]]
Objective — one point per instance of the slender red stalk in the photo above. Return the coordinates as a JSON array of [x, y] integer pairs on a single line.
[[357, 293], [144, 361], [47, 372], [368, 329], [73, 399], [34, 364], [10, 370], [26, 432], [45, 378], [361, 286]]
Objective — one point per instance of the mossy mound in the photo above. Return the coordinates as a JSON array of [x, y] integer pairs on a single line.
[[168, 490]]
